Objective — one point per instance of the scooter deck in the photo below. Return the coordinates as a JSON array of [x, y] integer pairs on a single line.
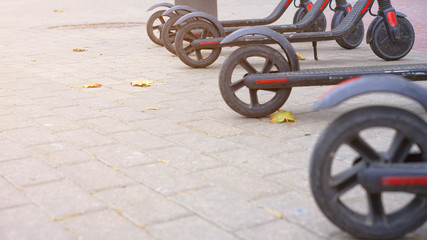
[[332, 76]]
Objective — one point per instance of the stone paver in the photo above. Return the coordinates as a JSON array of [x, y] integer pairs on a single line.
[[170, 161]]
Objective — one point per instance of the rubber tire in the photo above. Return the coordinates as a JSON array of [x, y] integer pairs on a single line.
[[340, 131], [318, 26], [227, 71], [179, 44], [403, 47], [354, 38], [166, 34], [150, 27]]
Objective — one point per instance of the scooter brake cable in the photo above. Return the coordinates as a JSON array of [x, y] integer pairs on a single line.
[[371, 13]]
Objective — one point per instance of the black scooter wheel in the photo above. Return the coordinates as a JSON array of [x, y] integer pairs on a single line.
[[385, 48], [154, 26], [318, 26], [355, 141], [196, 58], [252, 59], [354, 38], [168, 34]]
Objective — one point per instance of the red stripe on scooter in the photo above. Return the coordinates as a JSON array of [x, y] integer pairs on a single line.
[[391, 17], [366, 6], [309, 6], [324, 4], [208, 43], [349, 9], [266, 81], [289, 1], [404, 181]]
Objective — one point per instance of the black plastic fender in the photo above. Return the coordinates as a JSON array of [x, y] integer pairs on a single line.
[[374, 24], [164, 4], [277, 37], [372, 83], [204, 16], [179, 8]]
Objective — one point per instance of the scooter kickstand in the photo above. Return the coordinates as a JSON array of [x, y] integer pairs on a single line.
[[315, 50]]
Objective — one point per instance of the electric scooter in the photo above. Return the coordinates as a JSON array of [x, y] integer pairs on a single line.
[[158, 19], [368, 170], [390, 35], [316, 22]]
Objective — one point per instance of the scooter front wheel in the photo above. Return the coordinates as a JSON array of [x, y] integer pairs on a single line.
[[196, 58], [356, 141], [168, 34], [154, 26], [318, 26], [252, 59], [354, 38], [384, 47]]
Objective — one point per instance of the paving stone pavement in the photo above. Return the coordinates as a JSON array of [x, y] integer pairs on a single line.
[[99, 164]]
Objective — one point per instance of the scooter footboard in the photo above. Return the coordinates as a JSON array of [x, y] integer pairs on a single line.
[[332, 76], [395, 177]]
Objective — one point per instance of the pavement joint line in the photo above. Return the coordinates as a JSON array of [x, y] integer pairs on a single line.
[[99, 25]]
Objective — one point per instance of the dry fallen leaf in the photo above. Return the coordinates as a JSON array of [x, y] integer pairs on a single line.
[[79, 50], [274, 213], [153, 108], [142, 83], [282, 116], [92, 85], [58, 11], [301, 57], [164, 161]]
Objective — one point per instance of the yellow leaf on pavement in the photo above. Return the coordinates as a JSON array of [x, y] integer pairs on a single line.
[[92, 85], [301, 57], [142, 83], [282, 116], [79, 50]]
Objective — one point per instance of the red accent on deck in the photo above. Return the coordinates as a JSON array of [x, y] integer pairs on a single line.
[[208, 43], [366, 6], [324, 4], [404, 181], [266, 81]]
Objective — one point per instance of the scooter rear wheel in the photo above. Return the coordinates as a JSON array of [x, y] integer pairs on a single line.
[[154, 26], [196, 58], [354, 38], [318, 26], [348, 146], [383, 46], [252, 59]]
